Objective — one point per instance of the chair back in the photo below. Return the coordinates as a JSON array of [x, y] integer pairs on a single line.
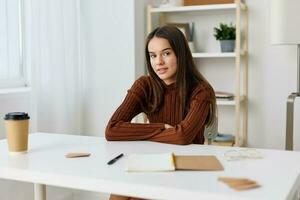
[[211, 132]]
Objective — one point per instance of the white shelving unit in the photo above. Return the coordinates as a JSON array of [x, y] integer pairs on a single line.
[[240, 56], [214, 55]]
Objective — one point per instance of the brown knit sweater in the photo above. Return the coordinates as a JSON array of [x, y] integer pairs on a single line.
[[186, 131]]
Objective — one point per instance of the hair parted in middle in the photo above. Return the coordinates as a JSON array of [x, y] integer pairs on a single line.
[[187, 75]]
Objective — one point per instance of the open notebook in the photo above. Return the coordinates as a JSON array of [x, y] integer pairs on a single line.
[[171, 162]]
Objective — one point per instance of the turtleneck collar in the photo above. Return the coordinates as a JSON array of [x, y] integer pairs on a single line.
[[170, 87]]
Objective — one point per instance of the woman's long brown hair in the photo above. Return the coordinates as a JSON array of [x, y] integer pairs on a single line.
[[187, 75]]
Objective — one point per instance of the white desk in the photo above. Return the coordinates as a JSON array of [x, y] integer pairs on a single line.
[[45, 164]]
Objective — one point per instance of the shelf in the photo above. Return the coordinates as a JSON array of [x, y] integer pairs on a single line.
[[195, 8], [214, 55], [229, 102]]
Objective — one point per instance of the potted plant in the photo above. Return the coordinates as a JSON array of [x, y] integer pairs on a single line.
[[226, 34]]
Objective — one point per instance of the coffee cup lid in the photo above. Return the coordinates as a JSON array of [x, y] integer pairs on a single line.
[[16, 116]]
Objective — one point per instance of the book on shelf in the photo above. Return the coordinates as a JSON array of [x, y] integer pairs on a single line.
[[169, 162], [224, 95], [223, 139], [229, 143]]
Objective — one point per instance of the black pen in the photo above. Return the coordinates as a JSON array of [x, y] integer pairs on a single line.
[[115, 159]]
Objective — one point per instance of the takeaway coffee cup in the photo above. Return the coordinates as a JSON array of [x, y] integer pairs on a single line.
[[16, 125]]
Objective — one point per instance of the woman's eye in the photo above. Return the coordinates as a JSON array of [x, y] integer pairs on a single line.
[[166, 53], [152, 56]]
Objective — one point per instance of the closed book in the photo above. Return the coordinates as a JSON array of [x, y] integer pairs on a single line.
[[198, 163]]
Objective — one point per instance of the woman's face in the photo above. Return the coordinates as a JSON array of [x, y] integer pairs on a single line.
[[163, 59]]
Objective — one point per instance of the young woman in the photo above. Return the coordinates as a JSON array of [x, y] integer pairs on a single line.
[[176, 98]]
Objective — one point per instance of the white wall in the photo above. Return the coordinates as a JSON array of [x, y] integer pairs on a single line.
[[272, 76], [111, 56]]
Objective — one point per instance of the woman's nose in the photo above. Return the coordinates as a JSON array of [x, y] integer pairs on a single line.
[[159, 60]]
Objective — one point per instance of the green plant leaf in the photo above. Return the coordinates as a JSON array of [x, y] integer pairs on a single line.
[[225, 32]]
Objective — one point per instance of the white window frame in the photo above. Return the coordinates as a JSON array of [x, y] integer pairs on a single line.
[[21, 80]]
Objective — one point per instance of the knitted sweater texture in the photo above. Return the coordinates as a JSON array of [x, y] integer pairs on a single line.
[[185, 131]]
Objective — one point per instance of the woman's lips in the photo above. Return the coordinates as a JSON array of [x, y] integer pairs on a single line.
[[162, 70]]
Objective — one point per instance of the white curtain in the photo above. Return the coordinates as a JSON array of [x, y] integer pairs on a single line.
[[56, 68]]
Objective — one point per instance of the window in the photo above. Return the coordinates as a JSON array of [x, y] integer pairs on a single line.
[[12, 71]]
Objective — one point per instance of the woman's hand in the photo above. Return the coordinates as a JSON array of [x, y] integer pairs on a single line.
[[168, 126]]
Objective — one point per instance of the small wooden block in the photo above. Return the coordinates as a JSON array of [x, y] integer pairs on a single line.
[[239, 183], [232, 180], [77, 154], [246, 187]]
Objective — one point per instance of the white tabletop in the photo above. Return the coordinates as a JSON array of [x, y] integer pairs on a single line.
[[45, 163]]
